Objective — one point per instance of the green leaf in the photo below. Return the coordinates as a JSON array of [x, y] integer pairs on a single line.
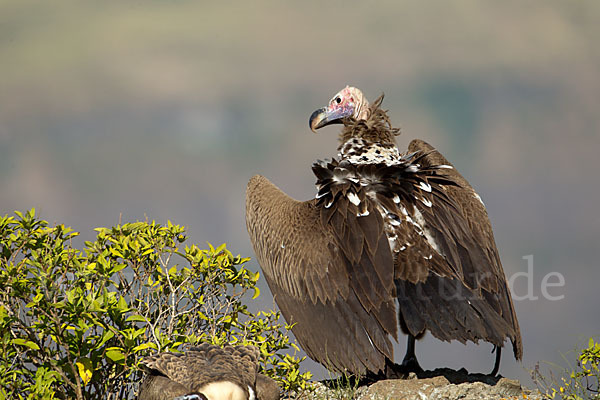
[[25, 342], [144, 346], [116, 252], [118, 267], [95, 306], [135, 318], [106, 336], [115, 354], [122, 305]]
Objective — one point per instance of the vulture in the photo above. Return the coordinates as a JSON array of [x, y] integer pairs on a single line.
[[207, 372], [390, 240]]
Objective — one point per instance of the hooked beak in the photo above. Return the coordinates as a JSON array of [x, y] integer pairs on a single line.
[[326, 116]]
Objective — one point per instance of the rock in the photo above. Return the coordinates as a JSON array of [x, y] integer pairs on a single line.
[[439, 388], [405, 388], [448, 386]]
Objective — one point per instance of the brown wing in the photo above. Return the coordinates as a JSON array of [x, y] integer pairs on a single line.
[[190, 370], [246, 363], [473, 302], [167, 377], [204, 364], [159, 387], [331, 275]]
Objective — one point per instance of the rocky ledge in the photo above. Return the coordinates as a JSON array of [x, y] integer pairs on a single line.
[[440, 384]]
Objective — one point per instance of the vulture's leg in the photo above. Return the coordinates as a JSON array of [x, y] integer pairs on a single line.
[[410, 362], [498, 351]]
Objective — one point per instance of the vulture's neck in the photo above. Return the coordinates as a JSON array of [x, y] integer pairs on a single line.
[[370, 140]]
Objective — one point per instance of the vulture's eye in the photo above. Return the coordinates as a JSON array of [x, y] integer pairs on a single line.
[[338, 100]]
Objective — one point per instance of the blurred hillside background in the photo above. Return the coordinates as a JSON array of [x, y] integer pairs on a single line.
[[125, 110]]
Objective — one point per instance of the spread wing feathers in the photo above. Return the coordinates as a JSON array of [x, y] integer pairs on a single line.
[[476, 293], [363, 197], [339, 334], [204, 364], [330, 272]]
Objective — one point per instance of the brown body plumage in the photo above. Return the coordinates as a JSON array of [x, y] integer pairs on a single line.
[[229, 373], [389, 240]]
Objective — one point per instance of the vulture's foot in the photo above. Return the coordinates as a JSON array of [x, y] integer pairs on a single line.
[[410, 364], [402, 371]]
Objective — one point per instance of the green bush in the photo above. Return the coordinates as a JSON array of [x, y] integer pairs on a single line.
[[580, 383], [76, 323]]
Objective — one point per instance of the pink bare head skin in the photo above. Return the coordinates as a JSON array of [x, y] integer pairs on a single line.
[[348, 102], [351, 97]]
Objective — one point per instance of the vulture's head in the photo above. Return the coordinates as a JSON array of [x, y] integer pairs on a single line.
[[348, 102]]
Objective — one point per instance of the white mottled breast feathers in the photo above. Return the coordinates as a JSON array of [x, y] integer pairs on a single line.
[[358, 151]]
